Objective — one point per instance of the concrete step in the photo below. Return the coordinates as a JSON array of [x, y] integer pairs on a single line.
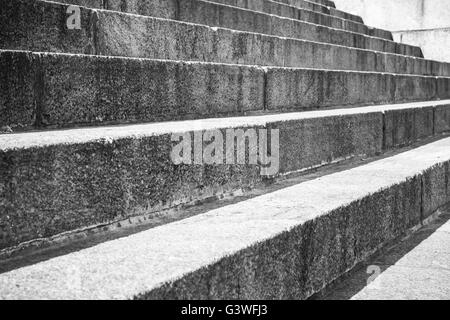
[[287, 244], [63, 90], [50, 15], [53, 182]]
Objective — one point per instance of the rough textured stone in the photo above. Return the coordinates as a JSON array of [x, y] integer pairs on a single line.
[[46, 191], [47, 15], [155, 8], [41, 26], [84, 89], [77, 89], [313, 142], [18, 89], [303, 89], [407, 125], [301, 2], [435, 189], [442, 119], [443, 88], [97, 4]]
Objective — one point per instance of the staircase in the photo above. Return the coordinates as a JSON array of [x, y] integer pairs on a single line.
[[92, 204]]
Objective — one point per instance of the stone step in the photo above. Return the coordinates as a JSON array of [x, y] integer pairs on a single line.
[[326, 3], [288, 244], [52, 182], [46, 18], [118, 34], [282, 9], [223, 15], [64, 90]]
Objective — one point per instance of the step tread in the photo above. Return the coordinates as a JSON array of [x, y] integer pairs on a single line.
[[138, 264], [83, 135]]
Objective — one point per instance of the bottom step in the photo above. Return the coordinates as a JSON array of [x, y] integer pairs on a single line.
[[288, 244], [421, 274]]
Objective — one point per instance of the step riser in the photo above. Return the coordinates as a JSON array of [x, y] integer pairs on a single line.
[[286, 11], [63, 187], [66, 90], [299, 89], [45, 29]]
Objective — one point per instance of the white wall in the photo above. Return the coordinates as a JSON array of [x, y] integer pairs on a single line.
[[398, 15], [424, 23], [435, 43]]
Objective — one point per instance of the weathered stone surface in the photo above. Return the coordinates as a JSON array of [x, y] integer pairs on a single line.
[[286, 244], [78, 89], [48, 190], [18, 89], [41, 26], [134, 36], [84, 89], [443, 88], [155, 8], [216, 14], [442, 119], [119, 26], [97, 4], [416, 88], [301, 2], [435, 189], [303, 89], [407, 125], [313, 142]]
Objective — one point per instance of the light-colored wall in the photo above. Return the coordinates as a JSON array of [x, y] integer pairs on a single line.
[[425, 23], [398, 15], [435, 43]]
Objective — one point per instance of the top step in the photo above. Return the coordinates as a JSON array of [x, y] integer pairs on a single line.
[[213, 14], [137, 6], [171, 9], [308, 10], [326, 3], [258, 5]]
